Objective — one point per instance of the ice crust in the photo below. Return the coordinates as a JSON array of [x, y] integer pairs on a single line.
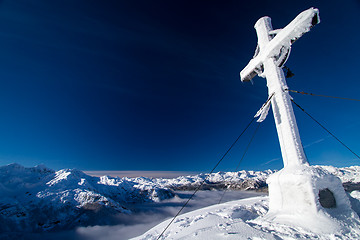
[[243, 220], [300, 216], [294, 195]]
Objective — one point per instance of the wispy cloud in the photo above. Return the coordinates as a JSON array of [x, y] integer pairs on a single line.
[[315, 142], [270, 161]]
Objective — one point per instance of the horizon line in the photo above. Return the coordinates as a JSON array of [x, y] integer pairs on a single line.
[[140, 173]]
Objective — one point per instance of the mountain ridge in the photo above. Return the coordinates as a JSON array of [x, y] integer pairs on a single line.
[[38, 199]]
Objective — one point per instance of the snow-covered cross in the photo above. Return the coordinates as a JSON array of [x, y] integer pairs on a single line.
[[304, 192], [272, 52]]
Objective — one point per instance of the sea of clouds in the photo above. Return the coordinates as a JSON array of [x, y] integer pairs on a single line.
[[150, 215]]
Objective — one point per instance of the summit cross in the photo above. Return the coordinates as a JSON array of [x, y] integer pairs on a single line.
[[272, 52], [298, 190]]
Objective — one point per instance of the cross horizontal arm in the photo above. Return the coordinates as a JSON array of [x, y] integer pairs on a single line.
[[284, 37]]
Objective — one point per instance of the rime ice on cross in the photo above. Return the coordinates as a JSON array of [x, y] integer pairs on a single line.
[[272, 52], [298, 190]]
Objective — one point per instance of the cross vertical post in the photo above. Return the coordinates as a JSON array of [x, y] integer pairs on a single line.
[[272, 52], [288, 133]]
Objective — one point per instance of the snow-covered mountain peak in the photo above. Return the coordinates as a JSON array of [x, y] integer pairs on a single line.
[[346, 174], [41, 199], [68, 175]]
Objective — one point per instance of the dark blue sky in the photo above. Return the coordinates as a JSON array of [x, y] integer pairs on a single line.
[[154, 85]]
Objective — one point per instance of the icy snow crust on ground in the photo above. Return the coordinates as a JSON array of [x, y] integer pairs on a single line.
[[243, 219]]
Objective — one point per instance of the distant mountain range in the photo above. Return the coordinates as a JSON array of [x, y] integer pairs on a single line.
[[38, 199]]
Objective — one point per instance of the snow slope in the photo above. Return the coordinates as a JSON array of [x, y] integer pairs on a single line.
[[251, 218], [244, 219]]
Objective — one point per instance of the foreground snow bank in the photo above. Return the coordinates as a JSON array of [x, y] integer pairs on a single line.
[[243, 219], [298, 209]]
